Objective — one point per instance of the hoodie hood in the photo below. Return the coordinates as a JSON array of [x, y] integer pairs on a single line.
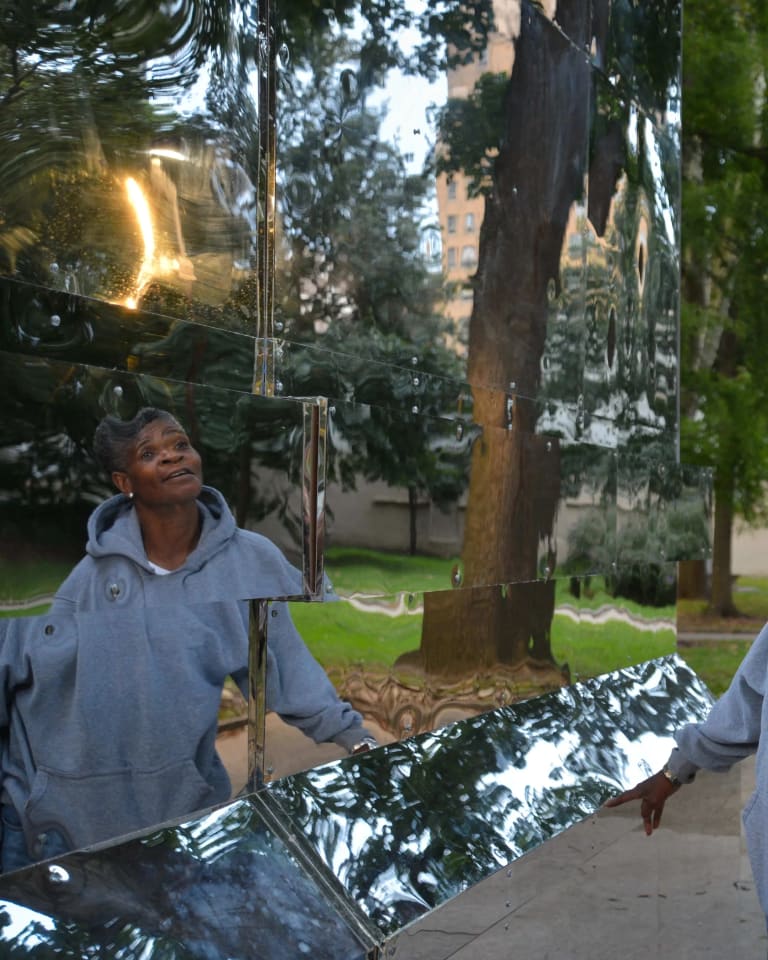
[[114, 531]]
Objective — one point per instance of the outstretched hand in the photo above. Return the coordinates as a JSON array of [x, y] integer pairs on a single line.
[[653, 794]]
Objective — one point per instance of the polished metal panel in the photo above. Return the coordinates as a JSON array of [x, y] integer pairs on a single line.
[[408, 827], [639, 49], [632, 270], [223, 885], [664, 514], [406, 679], [313, 493], [596, 630], [353, 851], [131, 146], [252, 449], [63, 326]]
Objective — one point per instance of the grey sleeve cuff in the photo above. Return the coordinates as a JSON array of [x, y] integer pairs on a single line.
[[680, 767], [352, 736]]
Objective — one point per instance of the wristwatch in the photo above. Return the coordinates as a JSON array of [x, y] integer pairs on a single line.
[[364, 745], [671, 777]]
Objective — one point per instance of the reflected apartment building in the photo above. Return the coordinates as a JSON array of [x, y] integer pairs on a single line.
[[460, 207]]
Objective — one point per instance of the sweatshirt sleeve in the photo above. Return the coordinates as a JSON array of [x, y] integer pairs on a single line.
[[298, 689], [731, 731]]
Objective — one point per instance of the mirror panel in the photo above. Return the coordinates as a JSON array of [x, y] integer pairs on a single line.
[[638, 47], [404, 680], [373, 842], [407, 828], [252, 450], [170, 894], [131, 143]]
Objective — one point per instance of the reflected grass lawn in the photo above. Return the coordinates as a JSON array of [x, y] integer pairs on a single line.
[[377, 574], [715, 661], [30, 580], [339, 635]]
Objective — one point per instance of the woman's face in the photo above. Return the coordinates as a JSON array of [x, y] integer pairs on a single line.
[[163, 467]]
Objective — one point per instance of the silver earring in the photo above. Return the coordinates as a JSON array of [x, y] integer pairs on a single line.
[[130, 495]]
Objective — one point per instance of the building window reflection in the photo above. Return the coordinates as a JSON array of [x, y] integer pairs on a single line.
[[452, 224], [468, 256]]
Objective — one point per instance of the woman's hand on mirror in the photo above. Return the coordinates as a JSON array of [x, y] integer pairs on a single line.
[[652, 793]]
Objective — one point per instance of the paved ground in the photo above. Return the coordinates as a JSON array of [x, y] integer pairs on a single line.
[[603, 890]]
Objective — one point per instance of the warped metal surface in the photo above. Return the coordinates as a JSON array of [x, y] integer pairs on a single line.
[[414, 824], [220, 886], [378, 840]]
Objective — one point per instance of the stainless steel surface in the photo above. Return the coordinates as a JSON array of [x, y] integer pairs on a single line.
[[411, 826], [219, 886]]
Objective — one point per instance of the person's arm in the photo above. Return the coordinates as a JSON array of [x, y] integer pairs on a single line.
[[731, 732], [299, 691]]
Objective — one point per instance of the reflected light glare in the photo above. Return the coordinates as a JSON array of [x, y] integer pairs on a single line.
[[143, 215], [167, 153]]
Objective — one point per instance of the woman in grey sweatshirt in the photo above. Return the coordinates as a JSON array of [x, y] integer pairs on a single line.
[[110, 702]]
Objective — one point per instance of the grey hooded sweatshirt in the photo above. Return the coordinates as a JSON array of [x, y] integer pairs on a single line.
[[732, 731], [110, 702]]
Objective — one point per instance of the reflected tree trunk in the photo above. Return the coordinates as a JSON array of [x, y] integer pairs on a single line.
[[721, 598], [413, 506], [514, 486], [691, 580]]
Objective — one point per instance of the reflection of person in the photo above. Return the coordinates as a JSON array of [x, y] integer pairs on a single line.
[[732, 731], [166, 561]]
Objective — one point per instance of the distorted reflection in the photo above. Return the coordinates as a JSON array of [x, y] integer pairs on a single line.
[[407, 828], [129, 665], [252, 449], [110, 717], [213, 887], [125, 178], [367, 646]]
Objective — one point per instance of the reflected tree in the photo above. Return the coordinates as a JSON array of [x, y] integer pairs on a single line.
[[725, 246], [529, 195]]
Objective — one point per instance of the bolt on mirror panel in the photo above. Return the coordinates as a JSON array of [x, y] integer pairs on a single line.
[[251, 448], [131, 143], [409, 827], [170, 894]]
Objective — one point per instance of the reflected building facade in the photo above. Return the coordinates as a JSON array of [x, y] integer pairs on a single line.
[[230, 210]]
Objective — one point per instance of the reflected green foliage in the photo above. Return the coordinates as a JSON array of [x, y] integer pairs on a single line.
[[725, 247], [464, 27], [473, 127]]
